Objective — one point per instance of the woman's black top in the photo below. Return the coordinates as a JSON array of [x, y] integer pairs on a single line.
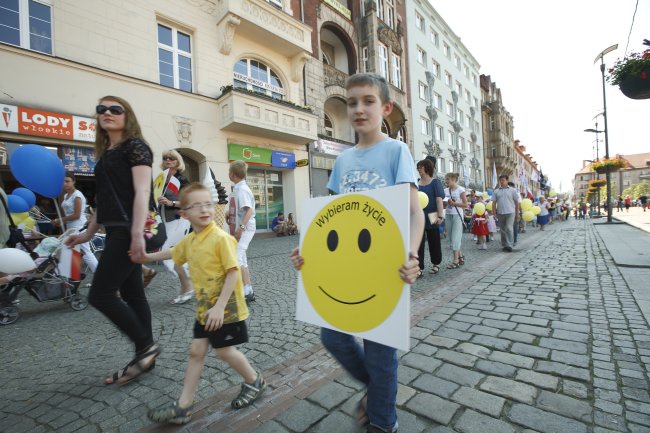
[[115, 167], [172, 213]]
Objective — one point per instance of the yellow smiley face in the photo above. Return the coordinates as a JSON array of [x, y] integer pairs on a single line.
[[353, 250]]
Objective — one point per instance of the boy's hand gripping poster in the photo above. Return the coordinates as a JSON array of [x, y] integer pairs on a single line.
[[353, 246]]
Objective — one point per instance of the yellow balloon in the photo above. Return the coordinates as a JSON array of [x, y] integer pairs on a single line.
[[19, 217], [528, 216], [479, 208], [552, 193], [424, 199], [535, 210], [526, 204], [489, 206], [28, 222]]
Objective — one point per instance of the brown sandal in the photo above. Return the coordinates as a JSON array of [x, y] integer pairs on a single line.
[[148, 276]]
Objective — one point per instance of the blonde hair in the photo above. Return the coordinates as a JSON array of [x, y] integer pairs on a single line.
[[174, 154], [452, 175], [192, 187], [131, 127], [239, 169]]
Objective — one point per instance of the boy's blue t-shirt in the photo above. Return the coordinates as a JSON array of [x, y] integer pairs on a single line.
[[386, 163]]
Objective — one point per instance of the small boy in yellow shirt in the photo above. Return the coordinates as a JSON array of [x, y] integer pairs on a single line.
[[221, 309]]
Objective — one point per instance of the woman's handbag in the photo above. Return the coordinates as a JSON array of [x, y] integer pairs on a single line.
[[155, 233]]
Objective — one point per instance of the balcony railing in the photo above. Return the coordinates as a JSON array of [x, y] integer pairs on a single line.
[[246, 112], [334, 77], [260, 21]]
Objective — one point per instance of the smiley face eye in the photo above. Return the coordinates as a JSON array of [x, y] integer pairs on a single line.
[[332, 240], [364, 240]]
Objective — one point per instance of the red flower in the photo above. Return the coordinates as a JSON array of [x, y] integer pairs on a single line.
[[610, 70], [644, 75]]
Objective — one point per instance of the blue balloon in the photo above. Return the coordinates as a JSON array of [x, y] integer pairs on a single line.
[[26, 195], [17, 204], [38, 169]]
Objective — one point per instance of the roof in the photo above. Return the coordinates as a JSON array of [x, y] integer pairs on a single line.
[[638, 160]]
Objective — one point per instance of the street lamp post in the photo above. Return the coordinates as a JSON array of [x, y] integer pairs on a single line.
[[607, 174], [596, 131]]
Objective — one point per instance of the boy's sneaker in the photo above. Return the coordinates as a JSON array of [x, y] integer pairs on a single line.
[[182, 298], [250, 297], [171, 413], [249, 393]]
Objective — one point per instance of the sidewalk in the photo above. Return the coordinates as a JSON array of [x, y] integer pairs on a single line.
[[635, 217], [548, 339]]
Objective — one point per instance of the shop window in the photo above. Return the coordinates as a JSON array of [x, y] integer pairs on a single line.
[[174, 58], [329, 126], [27, 24], [256, 76], [266, 186]]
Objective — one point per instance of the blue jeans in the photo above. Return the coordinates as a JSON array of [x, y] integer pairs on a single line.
[[375, 365]]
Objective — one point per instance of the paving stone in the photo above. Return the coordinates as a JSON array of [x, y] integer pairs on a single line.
[[607, 395], [538, 379], [435, 340], [474, 422], [530, 351], [563, 405], [500, 324], [608, 406], [271, 427], [563, 370], [433, 407], [567, 346], [406, 374], [408, 422], [510, 389], [435, 385], [495, 368], [518, 336], [301, 415], [635, 428], [484, 330], [535, 330], [481, 401], [457, 358], [638, 418], [330, 395], [421, 362], [491, 342], [335, 422], [557, 324], [424, 349], [604, 383], [545, 422], [404, 393], [575, 389], [512, 359], [439, 429], [531, 321], [459, 375], [609, 420], [569, 358], [473, 349], [636, 394]]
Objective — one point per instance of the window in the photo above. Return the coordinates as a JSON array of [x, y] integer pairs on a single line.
[[462, 143], [468, 121], [425, 128], [435, 68], [461, 116], [396, 76], [419, 21], [27, 24], [451, 137], [365, 66], [448, 79], [389, 13], [422, 55], [446, 50], [329, 127], [379, 5], [423, 91], [383, 61], [474, 80], [277, 3], [476, 102], [466, 70], [174, 58], [437, 101], [440, 133], [468, 97], [459, 89], [443, 166], [450, 109], [384, 127], [434, 37], [256, 76], [492, 123], [457, 61]]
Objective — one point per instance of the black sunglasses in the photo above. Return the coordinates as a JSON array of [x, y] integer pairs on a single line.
[[169, 158], [114, 109]]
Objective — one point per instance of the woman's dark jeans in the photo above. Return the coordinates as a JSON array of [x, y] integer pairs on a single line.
[[116, 272], [432, 236]]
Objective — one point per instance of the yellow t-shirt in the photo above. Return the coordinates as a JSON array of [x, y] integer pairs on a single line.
[[210, 254]]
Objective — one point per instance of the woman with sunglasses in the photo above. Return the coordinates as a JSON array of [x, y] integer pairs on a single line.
[[173, 162], [123, 191]]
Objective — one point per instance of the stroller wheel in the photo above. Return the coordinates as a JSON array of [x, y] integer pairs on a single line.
[[8, 315], [78, 302]]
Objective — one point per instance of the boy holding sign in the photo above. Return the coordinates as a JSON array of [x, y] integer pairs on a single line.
[[376, 161]]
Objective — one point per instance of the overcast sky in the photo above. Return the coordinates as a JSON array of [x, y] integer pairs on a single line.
[[541, 54]]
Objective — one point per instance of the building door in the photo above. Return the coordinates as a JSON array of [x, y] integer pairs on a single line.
[[266, 186]]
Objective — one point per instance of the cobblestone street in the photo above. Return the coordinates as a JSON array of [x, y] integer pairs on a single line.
[[549, 338]]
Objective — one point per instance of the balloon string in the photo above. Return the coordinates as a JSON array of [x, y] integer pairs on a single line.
[[58, 212]]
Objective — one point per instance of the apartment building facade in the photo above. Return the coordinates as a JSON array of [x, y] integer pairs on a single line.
[[527, 178], [445, 96], [498, 133], [216, 80]]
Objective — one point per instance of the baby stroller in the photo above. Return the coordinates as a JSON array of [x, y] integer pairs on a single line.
[[45, 284]]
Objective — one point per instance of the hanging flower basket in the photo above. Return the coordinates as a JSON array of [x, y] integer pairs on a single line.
[[636, 86], [597, 183], [612, 164], [593, 189]]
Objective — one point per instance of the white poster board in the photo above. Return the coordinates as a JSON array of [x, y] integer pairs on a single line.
[[353, 246]]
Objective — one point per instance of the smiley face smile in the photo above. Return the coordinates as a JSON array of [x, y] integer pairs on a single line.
[[344, 302]]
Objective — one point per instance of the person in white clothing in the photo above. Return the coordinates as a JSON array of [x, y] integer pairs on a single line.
[[245, 221], [73, 205]]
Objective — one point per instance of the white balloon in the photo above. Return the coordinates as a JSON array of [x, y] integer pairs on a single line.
[[15, 261]]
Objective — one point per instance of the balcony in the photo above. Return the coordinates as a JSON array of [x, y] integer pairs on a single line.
[[334, 77], [260, 21], [249, 113]]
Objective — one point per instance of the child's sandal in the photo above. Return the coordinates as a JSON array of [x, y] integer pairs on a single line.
[[249, 393], [171, 413], [452, 265]]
